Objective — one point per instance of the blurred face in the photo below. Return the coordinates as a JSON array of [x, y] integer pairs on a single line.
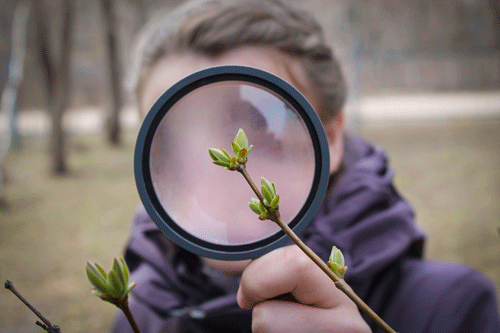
[[173, 68], [204, 199]]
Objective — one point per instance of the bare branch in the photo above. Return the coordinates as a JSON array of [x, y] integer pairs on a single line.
[[47, 325]]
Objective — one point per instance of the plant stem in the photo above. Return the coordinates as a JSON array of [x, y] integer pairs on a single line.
[[126, 310], [243, 170], [49, 327], [339, 282]]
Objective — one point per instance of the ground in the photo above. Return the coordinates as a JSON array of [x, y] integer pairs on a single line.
[[448, 170]]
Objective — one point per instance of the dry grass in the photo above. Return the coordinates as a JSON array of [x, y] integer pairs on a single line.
[[448, 171], [54, 224]]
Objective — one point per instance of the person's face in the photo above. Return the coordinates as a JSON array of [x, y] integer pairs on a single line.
[[169, 70], [196, 123]]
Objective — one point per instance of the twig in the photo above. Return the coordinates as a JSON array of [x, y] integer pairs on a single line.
[[126, 310], [122, 304], [47, 325], [339, 282]]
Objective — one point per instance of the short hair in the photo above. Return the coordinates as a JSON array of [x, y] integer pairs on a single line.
[[212, 27]]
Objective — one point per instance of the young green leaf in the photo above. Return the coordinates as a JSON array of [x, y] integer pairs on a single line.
[[242, 154], [219, 155], [224, 164], [225, 153], [118, 268], [241, 139], [115, 285], [275, 202], [130, 286], [270, 187], [236, 148], [96, 278], [254, 205], [267, 195], [97, 293], [125, 268], [101, 270], [336, 262], [336, 256]]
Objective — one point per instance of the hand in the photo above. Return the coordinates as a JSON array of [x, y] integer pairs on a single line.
[[314, 303]]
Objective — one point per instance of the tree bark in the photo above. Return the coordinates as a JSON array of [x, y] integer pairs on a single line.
[[15, 75], [111, 31], [56, 76]]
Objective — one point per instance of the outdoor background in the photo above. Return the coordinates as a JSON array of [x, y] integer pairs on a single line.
[[424, 84]]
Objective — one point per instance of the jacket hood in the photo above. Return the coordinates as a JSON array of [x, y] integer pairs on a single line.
[[364, 215]]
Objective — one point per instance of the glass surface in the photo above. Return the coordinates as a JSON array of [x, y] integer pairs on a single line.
[[210, 202]]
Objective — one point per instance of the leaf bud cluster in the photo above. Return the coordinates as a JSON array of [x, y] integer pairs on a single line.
[[113, 286]]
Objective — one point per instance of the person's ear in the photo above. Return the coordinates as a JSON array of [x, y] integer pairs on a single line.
[[334, 129]]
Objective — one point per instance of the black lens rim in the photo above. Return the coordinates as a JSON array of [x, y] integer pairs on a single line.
[[145, 137]]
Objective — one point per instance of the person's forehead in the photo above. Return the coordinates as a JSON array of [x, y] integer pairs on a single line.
[[170, 70]]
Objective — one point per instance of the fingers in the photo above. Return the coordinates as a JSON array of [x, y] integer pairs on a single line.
[[286, 317], [288, 270]]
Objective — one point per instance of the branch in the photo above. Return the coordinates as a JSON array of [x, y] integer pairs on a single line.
[[275, 216], [46, 325], [268, 209]]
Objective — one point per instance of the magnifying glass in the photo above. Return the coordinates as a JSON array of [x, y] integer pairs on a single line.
[[201, 206]]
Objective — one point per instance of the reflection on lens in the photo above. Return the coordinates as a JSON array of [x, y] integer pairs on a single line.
[[208, 201]]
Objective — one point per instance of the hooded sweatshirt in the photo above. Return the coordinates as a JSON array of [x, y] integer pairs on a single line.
[[364, 216]]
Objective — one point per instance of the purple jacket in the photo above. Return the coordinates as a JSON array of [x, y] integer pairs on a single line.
[[363, 215]]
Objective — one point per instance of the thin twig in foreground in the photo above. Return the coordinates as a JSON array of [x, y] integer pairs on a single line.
[[130, 317], [47, 324], [339, 283]]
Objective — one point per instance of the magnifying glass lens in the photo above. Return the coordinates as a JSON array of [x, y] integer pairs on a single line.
[[206, 200]]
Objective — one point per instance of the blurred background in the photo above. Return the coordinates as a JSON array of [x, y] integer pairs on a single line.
[[424, 84]]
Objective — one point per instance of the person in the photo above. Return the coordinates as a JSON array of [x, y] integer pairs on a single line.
[[362, 213]]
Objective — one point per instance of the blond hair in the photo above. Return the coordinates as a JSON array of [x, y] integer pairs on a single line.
[[213, 27]]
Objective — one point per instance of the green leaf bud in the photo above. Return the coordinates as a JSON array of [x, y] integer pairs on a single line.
[[226, 153], [130, 286], [125, 269], [93, 268], [101, 270], [219, 155], [115, 285], [241, 139], [341, 271], [336, 262], [275, 202], [96, 279], [236, 147], [254, 205], [336, 256], [267, 189], [242, 153], [262, 208], [97, 293], [269, 186], [118, 268], [233, 165], [224, 164], [263, 216]]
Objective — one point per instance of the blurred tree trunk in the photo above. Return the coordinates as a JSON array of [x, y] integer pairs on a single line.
[[56, 71], [495, 6], [15, 75], [111, 31]]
